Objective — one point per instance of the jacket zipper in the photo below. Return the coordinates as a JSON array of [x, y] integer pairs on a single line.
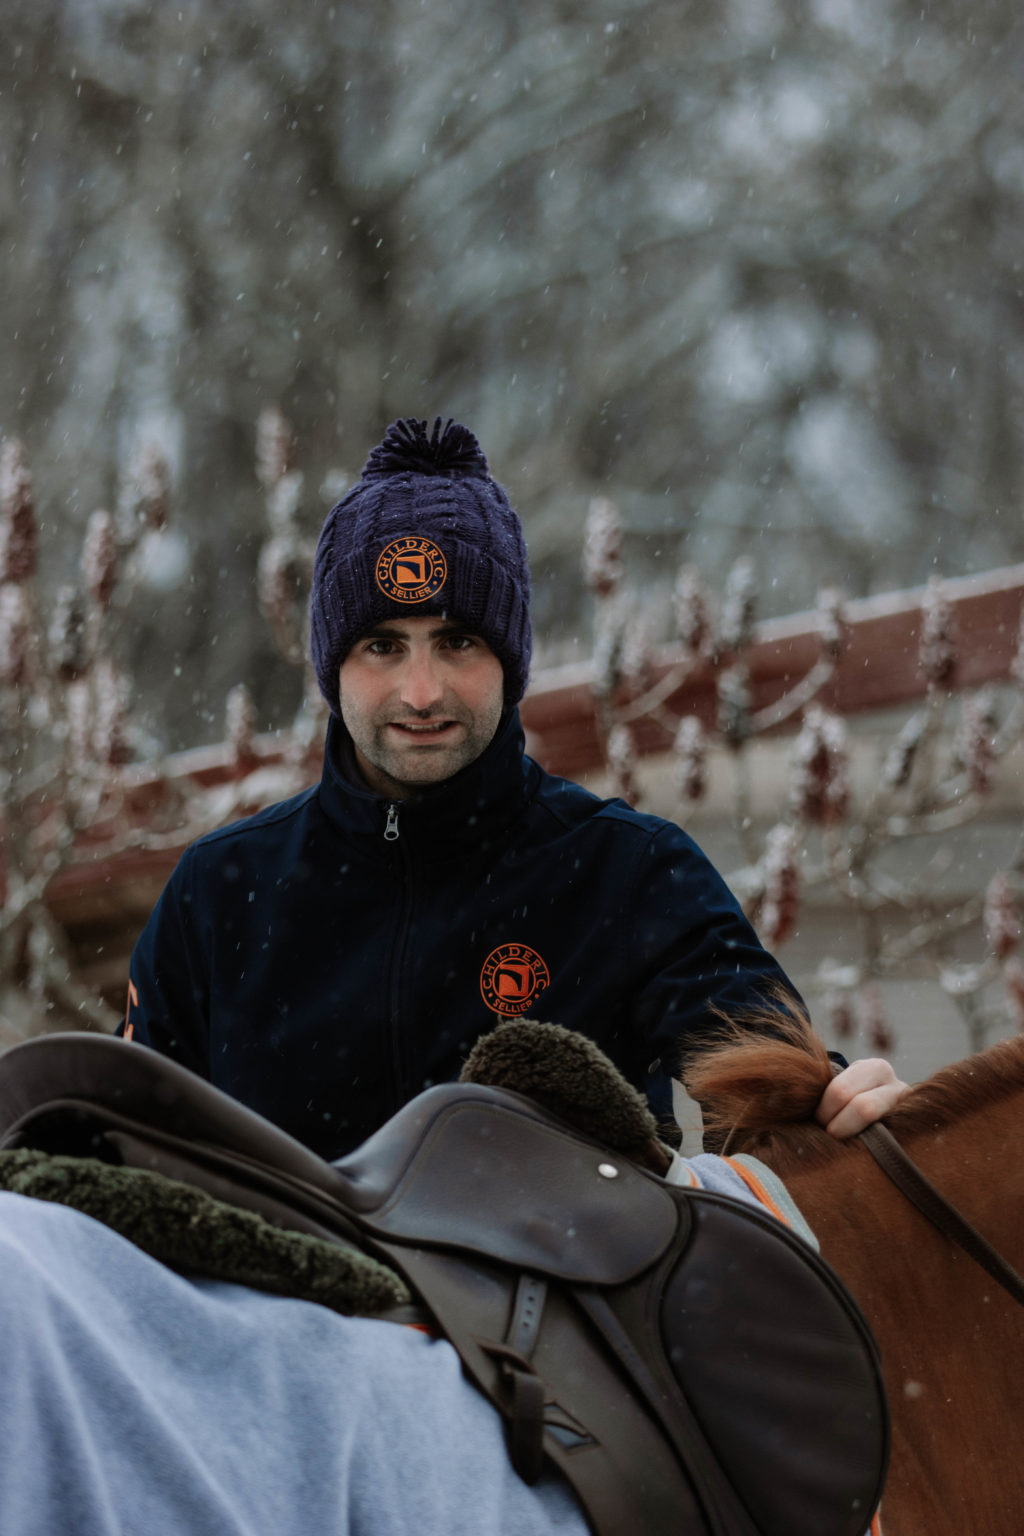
[[391, 835]]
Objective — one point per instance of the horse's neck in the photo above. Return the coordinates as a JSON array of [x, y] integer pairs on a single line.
[[952, 1342], [976, 1163]]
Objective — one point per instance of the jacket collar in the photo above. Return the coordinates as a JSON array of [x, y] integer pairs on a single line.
[[446, 820]]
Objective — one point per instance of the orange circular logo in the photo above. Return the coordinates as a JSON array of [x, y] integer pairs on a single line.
[[410, 570], [513, 975]]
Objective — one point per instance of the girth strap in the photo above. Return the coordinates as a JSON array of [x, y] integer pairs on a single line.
[[526, 1418], [909, 1179]]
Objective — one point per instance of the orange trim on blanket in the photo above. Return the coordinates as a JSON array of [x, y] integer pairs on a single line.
[[755, 1186]]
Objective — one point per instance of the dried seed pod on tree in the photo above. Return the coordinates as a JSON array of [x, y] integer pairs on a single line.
[[974, 746], [691, 758], [780, 869], [902, 755], [16, 639], [18, 534], [609, 640], [68, 655], [275, 446], [602, 548], [937, 651], [100, 560], [840, 1017], [281, 584], [240, 725], [637, 652], [734, 706], [622, 765], [739, 607], [1002, 917], [111, 741], [831, 626], [691, 611], [874, 1022], [819, 784], [154, 487], [144, 496]]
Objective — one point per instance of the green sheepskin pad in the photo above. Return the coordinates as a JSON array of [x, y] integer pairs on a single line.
[[569, 1075], [192, 1232]]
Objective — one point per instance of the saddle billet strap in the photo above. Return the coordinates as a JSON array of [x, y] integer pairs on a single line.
[[527, 1311], [911, 1182]]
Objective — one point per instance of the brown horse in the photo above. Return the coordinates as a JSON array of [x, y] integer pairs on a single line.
[[952, 1340]]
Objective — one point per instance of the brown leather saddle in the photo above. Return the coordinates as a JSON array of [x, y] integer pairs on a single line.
[[685, 1361]]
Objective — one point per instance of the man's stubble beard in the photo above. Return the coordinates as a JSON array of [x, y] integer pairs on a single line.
[[405, 776]]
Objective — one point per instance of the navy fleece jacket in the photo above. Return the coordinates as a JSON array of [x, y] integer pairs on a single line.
[[323, 970]]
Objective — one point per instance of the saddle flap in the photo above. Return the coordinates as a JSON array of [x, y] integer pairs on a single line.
[[778, 1365], [494, 1176]]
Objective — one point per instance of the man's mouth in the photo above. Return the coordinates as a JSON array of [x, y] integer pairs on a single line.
[[423, 729]]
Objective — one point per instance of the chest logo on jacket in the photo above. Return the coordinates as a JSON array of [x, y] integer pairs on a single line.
[[513, 976], [411, 569]]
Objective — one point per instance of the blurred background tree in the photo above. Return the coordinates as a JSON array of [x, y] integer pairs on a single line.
[[752, 269]]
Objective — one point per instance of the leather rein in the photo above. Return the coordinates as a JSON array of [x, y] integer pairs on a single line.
[[900, 1167], [911, 1182]]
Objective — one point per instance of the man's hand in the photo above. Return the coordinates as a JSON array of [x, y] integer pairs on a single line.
[[859, 1095]]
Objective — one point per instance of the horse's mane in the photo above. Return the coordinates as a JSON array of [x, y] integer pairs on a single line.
[[962, 1089], [764, 1088]]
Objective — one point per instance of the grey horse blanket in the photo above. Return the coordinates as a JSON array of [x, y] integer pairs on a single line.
[[138, 1401]]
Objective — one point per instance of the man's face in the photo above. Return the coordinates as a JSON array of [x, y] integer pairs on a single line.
[[421, 698]]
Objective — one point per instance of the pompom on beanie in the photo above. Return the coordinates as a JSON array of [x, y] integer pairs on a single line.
[[425, 531]]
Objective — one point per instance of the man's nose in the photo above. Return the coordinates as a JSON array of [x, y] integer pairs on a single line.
[[422, 688]]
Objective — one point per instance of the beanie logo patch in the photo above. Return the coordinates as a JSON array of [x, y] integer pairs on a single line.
[[410, 570], [513, 976]]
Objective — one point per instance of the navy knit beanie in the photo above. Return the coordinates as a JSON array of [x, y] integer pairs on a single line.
[[425, 531]]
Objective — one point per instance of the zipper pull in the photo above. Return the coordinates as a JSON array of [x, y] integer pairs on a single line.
[[391, 830]]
